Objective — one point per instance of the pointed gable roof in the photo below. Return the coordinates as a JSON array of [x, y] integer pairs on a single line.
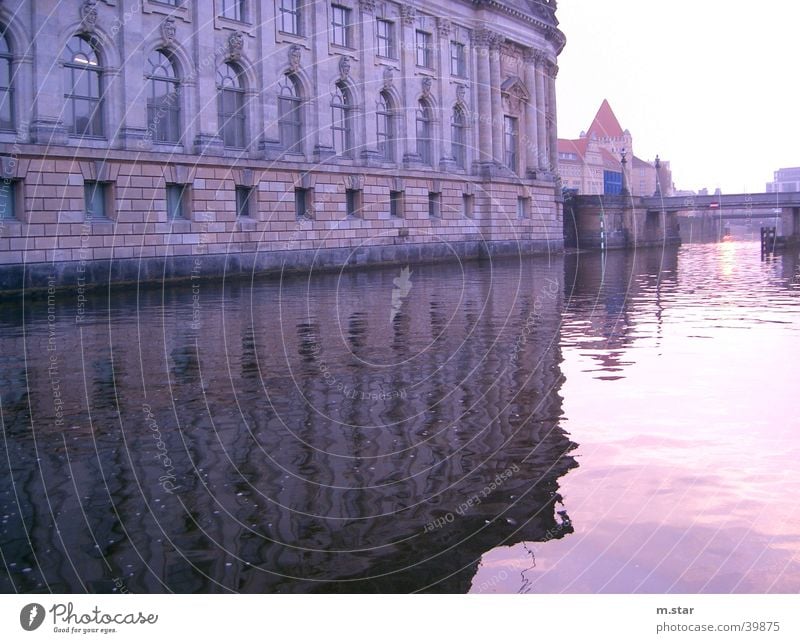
[[605, 123]]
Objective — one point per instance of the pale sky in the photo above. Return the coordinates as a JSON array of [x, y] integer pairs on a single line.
[[713, 86]]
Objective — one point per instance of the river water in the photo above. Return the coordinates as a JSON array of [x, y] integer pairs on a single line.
[[576, 423]]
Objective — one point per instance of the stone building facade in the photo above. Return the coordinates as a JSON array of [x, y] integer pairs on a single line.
[[304, 131]]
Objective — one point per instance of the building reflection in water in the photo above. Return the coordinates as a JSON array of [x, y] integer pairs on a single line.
[[292, 436]]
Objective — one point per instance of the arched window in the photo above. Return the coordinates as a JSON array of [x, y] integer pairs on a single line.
[[163, 99], [458, 124], [6, 87], [231, 106], [342, 123], [425, 132], [290, 114], [84, 84], [386, 127]]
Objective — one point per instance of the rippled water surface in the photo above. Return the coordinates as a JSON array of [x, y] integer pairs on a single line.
[[564, 424]]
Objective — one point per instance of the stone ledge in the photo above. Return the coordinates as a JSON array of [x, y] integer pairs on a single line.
[[17, 278]]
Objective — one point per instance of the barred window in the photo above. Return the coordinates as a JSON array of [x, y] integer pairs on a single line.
[[386, 127], [290, 114], [163, 99], [342, 125], [231, 106], [425, 132], [290, 16], [6, 84], [84, 97]]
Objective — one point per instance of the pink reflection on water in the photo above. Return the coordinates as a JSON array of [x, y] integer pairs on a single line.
[[681, 390]]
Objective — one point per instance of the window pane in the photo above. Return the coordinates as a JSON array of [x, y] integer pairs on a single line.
[[175, 198], [7, 200], [94, 199]]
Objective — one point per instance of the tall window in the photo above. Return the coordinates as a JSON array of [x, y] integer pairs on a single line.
[[458, 124], [233, 9], [163, 99], [425, 132], [84, 97], [424, 49], [458, 59], [6, 88], [290, 114], [340, 25], [386, 133], [386, 39], [231, 106], [512, 142], [342, 123], [290, 16]]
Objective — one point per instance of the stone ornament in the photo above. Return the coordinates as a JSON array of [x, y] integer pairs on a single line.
[[89, 15], [408, 14], [344, 67], [295, 57], [461, 93], [367, 6], [235, 45], [388, 77], [444, 26], [168, 30], [427, 85]]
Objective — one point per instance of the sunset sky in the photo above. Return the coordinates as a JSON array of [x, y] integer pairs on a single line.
[[711, 86]]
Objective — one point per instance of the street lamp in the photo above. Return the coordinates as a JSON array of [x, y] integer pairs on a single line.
[[624, 161], [658, 173]]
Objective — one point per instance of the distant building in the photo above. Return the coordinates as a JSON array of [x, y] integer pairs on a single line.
[[787, 179], [592, 164]]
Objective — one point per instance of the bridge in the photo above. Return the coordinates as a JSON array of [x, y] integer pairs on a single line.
[[609, 221], [720, 203]]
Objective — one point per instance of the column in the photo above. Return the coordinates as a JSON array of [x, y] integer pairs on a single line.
[[207, 139], [47, 125], [368, 129], [444, 139], [541, 122], [407, 40], [480, 41], [323, 69], [497, 99], [531, 119], [552, 116]]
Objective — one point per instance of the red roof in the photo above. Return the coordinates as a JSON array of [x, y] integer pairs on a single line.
[[605, 123], [573, 146]]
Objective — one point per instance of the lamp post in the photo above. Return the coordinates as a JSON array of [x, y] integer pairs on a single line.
[[658, 176], [624, 161]]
